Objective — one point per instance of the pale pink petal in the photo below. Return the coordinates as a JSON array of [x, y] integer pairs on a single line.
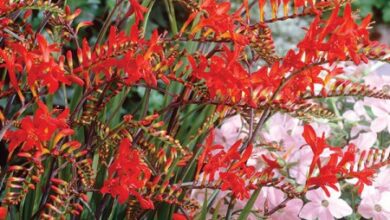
[[321, 128], [370, 193], [370, 197], [290, 212], [324, 214], [334, 194], [316, 195], [383, 104], [293, 207], [377, 110], [385, 201], [366, 209], [276, 133], [274, 196], [358, 129], [351, 116], [379, 124], [268, 196], [376, 79], [386, 214], [229, 132], [382, 181], [310, 211], [380, 216], [360, 109], [302, 159], [365, 140], [283, 216], [339, 208], [297, 131]]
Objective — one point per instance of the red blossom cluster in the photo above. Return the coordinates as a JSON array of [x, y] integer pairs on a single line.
[[338, 38], [36, 131], [127, 57], [223, 75], [153, 160], [128, 174], [39, 64], [339, 165], [228, 167]]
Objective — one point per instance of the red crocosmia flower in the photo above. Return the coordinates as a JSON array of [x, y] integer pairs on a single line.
[[220, 21], [12, 66], [49, 73], [365, 178], [23, 55], [261, 7], [178, 216], [35, 131], [316, 144], [340, 164], [133, 68], [216, 17], [233, 153], [3, 213], [9, 64], [224, 75], [231, 181], [266, 80], [327, 175], [144, 202], [231, 167], [137, 9], [127, 175], [272, 165], [245, 156], [46, 69], [221, 160], [214, 164], [348, 158], [299, 3], [207, 151], [274, 5], [40, 65], [45, 49], [340, 38]]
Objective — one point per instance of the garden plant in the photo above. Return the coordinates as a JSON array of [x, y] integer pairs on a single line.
[[183, 109]]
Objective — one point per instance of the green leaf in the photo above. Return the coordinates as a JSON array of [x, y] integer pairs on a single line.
[[216, 211], [27, 207], [203, 213], [248, 207], [386, 14]]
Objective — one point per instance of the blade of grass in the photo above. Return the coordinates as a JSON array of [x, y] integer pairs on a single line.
[[216, 211], [203, 212], [248, 207]]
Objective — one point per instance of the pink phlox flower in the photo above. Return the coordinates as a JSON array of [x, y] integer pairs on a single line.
[[272, 197], [230, 131], [322, 207], [375, 204]]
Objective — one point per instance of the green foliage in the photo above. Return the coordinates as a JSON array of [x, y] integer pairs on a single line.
[[370, 6]]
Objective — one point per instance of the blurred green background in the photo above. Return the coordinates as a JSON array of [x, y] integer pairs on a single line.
[[379, 8]]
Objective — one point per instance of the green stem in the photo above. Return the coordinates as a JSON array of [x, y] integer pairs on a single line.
[[145, 103], [106, 24], [171, 16]]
